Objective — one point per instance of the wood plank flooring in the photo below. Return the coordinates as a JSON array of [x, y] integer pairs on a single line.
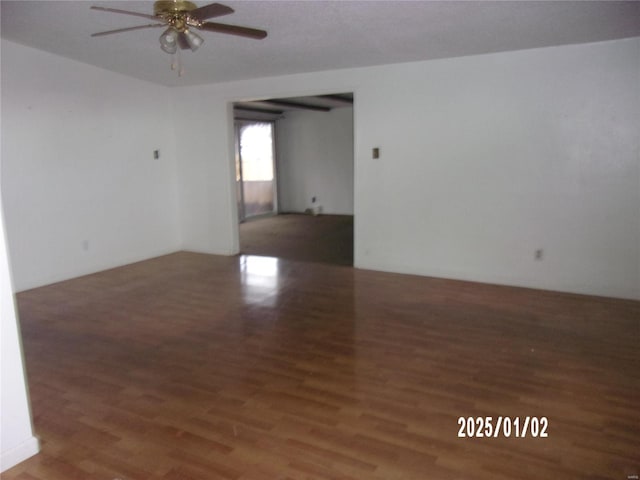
[[193, 366]]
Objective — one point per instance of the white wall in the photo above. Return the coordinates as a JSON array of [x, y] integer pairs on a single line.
[[82, 191], [484, 159], [315, 159], [17, 442]]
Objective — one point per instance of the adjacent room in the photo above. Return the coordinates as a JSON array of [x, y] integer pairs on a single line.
[[294, 164], [450, 283]]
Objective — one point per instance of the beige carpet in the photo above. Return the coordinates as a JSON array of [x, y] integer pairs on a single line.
[[322, 238]]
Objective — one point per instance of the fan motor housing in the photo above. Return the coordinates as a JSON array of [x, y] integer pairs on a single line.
[[164, 8]]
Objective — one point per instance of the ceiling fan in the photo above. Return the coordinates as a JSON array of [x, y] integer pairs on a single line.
[[181, 17]]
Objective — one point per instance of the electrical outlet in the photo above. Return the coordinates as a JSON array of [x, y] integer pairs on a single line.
[[538, 254], [85, 245], [156, 154], [313, 199]]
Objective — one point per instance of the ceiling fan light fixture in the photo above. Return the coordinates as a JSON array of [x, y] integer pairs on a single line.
[[178, 17], [193, 39], [169, 40]]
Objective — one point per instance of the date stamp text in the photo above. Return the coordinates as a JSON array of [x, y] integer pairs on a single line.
[[507, 427]]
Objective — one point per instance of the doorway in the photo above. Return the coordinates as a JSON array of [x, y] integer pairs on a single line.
[[255, 169], [313, 179]]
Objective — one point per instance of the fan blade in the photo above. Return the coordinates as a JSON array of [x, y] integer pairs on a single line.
[[210, 11], [126, 12], [109, 32], [234, 30]]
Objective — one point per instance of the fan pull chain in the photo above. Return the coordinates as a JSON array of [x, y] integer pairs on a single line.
[[176, 63]]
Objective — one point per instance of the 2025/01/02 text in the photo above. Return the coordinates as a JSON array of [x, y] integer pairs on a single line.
[[490, 427]]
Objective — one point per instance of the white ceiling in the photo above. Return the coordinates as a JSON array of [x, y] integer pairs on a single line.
[[306, 36]]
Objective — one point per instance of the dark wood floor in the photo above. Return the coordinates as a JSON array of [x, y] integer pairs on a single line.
[[308, 238], [192, 366]]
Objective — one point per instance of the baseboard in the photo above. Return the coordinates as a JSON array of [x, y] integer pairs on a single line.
[[19, 453], [502, 280]]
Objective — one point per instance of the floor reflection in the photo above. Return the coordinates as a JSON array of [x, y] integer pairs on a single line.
[[260, 279]]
